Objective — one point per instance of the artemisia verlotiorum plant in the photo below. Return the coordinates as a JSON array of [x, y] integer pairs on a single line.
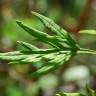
[[63, 47], [89, 92]]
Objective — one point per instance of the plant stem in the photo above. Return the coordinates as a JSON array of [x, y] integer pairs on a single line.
[[86, 51]]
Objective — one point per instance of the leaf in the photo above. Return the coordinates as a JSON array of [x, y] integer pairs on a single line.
[[69, 94], [63, 48], [90, 32], [86, 51], [52, 64], [41, 36], [42, 51], [90, 92], [10, 53], [56, 29], [52, 25], [32, 58], [36, 33], [28, 46], [13, 58]]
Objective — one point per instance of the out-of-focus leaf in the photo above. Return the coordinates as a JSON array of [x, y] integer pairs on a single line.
[[90, 32], [90, 92], [69, 94]]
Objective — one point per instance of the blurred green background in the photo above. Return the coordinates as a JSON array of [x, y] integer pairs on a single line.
[[72, 15]]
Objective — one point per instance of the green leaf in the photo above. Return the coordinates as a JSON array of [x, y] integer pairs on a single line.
[[86, 51], [36, 33], [52, 64], [28, 46], [13, 58], [30, 59], [56, 29], [52, 25], [90, 92], [90, 32], [63, 48], [41, 36], [11, 53], [69, 94]]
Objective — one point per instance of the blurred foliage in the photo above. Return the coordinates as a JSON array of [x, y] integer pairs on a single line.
[[72, 16]]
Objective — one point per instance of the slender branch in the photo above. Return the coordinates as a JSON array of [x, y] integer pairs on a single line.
[[86, 51]]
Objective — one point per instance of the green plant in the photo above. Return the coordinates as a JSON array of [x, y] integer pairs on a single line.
[[63, 47], [89, 92]]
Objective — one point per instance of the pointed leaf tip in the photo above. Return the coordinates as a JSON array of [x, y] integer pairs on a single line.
[[18, 22], [19, 42], [35, 13]]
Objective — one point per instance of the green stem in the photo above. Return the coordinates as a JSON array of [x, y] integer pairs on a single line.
[[86, 51]]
